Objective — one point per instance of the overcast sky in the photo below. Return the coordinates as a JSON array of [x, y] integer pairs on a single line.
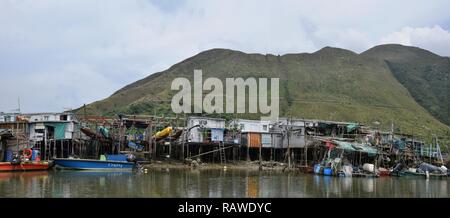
[[59, 54]]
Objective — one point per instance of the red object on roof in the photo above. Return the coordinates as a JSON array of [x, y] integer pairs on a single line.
[[330, 145]]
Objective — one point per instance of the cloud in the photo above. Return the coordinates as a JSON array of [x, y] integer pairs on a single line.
[[82, 51], [56, 89], [433, 38]]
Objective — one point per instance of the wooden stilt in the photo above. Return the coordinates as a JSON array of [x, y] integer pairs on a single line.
[[260, 157]]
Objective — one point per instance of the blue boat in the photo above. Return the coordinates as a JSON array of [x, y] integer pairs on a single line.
[[90, 164]]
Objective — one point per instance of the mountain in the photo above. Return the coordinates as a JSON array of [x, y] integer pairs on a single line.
[[424, 74], [332, 84]]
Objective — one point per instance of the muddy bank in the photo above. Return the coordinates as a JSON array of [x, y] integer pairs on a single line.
[[237, 165]]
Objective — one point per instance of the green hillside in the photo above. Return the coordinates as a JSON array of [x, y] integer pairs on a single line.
[[424, 74], [332, 84]]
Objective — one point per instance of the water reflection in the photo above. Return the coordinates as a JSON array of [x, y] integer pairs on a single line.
[[211, 183]]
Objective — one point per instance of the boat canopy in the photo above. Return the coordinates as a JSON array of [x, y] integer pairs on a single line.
[[356, 147]]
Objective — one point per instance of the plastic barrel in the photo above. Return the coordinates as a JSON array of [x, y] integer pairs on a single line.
[[327, 171], [317, 169], [9, 156], [34, 155]]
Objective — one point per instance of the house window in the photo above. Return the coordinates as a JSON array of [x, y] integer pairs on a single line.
[[46, 118], [264, 127], [241, 126]]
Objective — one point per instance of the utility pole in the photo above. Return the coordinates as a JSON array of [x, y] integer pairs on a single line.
[[288, 134], [18, 101], [17, 123], [304, 140], [17, 133], [392, 130], [183, 138], [47, 150], [150, 133]]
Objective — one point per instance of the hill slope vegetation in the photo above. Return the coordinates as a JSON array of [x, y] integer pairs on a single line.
[[331, 84]]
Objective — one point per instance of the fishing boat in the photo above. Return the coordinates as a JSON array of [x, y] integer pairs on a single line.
[[92, 164], [424, 175], [407, 173], [27, 160], [24, 166]]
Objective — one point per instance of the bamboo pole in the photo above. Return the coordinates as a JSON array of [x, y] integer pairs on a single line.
[[304, 140], [208, 152]]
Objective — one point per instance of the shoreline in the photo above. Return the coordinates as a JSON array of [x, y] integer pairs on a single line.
[[236, 165]]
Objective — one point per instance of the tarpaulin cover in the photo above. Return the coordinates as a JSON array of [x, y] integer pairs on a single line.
[[135, 146], [104, 131], [356, 147], [369, 150], [60, 129], [399, 144], [351, 127], [345, 145], [116, 157], [429, 167]]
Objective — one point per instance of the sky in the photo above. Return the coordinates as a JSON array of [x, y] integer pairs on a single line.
[[57, 55]]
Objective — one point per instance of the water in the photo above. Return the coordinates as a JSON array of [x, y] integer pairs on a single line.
[[211, 183]]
